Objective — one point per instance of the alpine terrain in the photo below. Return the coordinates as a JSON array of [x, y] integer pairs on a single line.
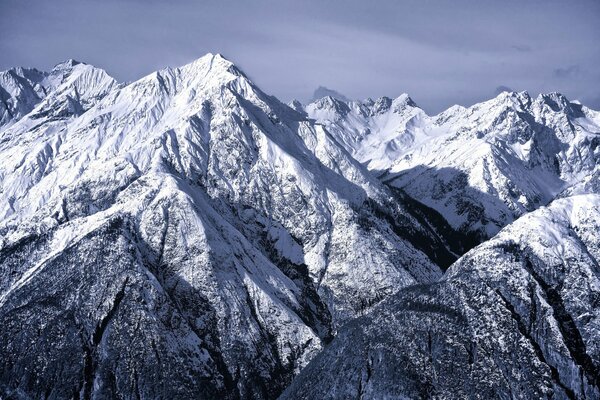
[[480, 167], [187, 235], [516, 317]]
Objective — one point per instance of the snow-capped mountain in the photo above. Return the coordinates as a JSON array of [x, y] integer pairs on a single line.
[[189, 228], [516, 317], [375, 132], [322, 91], [69, 88], [185, 228], [481, 167]]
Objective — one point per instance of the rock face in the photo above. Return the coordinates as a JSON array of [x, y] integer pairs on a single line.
[[375, 132], [189, 236], [516, 317], [186, 228], [69, 89], [480, 167]]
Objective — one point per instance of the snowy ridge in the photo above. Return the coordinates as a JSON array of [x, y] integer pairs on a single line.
[[23, 90], [516, 316], [233, 216], [375, 132], [189, 228], [481, 167]]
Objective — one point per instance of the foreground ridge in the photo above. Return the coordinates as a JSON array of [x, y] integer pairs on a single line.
[[189, 229], [516, 316], [187, 222], [481, 167]]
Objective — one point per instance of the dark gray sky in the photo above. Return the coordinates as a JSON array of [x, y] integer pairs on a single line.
[[440, 52]]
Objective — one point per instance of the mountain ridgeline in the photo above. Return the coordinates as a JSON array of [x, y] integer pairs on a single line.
[[188, 236]]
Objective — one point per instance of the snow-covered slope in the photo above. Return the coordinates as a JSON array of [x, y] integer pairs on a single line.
[[70, 88], [374, 132], [516, 317], [189, 228], [480, 167], [186, 228]]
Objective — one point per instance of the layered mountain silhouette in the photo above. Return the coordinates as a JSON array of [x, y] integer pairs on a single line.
[[188, 236]]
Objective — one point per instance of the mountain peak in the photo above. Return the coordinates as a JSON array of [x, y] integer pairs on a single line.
[[404, 99], [210, 59], [211, 64], [332, 103], [296, 105], [67, 64], [322, 92], [524, 95], [554, 99], [381, 105], [514, 100], [558, 102]]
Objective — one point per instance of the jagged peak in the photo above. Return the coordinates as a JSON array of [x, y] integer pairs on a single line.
[[32, 75], [405, 100], [21, 71], [559, 103], [517, 101], [450, 113], [381, 105], [331, 103], [67, 64], [72, 69], [522, 96], [454, 109], [209, 70], [211, 63], [323, 91], [296, 105], [554, 99], [329, 100]]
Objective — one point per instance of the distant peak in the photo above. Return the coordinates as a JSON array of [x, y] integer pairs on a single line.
[[556, 101], [513, 94], [332, 103], [296, 105], [554, 96], [322, 92], [501, 89], [70, 63], [405, 99], [212, 62], [512, 99]]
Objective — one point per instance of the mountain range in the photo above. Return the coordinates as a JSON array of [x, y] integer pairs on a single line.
[[187, 235]]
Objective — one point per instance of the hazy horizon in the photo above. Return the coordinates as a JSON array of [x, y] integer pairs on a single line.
[[438, 53]]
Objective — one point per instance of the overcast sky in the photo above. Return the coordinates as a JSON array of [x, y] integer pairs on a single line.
[[441, 53]]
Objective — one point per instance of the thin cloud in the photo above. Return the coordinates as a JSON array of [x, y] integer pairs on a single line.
[[501, 89], [522, 48], [568, 72], [441, 53]]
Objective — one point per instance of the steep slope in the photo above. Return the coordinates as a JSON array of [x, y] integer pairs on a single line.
[[480, 167], [70, 88], [156, 285], [501, 159], [374, 132], [20, 91], [516, 317], [238, 233]]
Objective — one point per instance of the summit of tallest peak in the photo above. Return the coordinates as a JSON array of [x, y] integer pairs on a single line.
[[70, 63], [214, 62], [213, 59]]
